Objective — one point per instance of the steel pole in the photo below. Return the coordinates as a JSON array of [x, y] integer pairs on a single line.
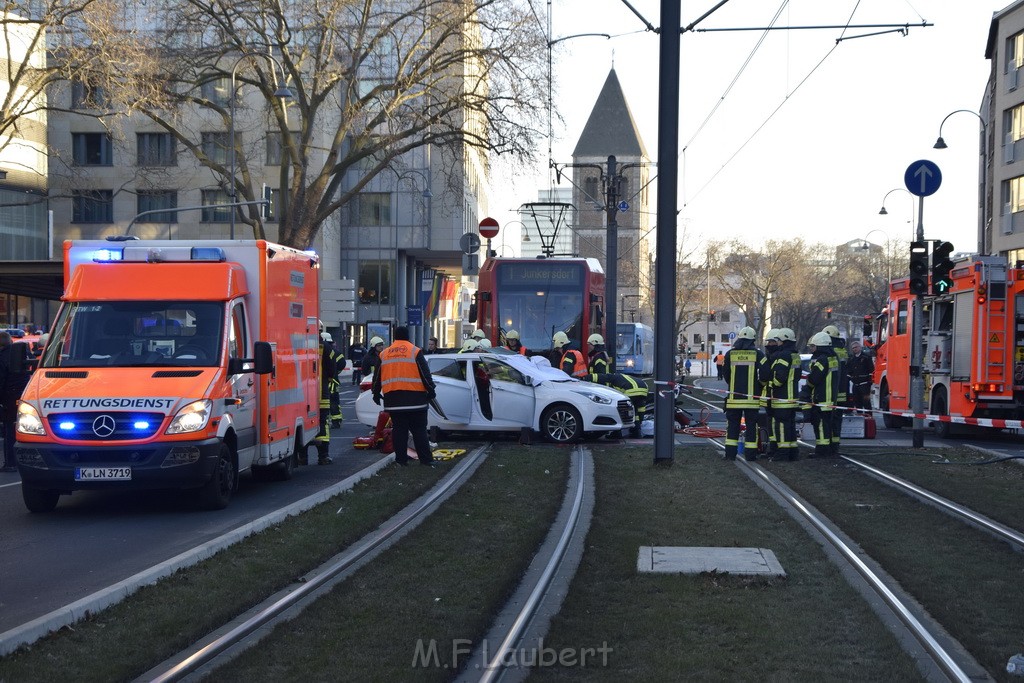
[[611, 280], [916, 353], [231, 180]]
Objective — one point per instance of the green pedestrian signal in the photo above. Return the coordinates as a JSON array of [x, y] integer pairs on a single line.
[[942, 264]]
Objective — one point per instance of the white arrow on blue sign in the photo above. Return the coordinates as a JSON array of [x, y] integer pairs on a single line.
[[922, 178]]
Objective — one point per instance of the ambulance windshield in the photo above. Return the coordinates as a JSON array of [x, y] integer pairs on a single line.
[[136, 333]]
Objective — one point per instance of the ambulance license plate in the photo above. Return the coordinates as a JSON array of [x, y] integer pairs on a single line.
[[103, 473]]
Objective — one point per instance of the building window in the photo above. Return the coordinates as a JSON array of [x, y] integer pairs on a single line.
[[591, 193], [86, 95], [217, 90], [92, 206], [92, 149], [213, 212], [723, 316], [1013, 195], [215, 147], [274, 150], [373, 209], [375, 282], [155, 149], [154, 200]]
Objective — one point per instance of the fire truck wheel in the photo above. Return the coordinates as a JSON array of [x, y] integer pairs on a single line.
[[889, 421], [216, 494], [284, 469], [941, 429], [39, 500], [561, 424]]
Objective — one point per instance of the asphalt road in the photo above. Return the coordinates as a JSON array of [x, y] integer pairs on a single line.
[[94, 540]]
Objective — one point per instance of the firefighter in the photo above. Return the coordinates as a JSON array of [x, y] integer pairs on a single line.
[[570, 361], [784, 384], [512, 343], [635, 389], [335, 386], [598, 361], [484, 345], [478, 334], [819, 394], [371, 361], [740, 370], [772, 342], [469, 345], [843, 388], [328, 378]]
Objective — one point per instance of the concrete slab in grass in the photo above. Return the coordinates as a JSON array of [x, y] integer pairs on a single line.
[[747, 561]]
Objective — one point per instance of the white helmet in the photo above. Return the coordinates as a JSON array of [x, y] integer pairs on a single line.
[[821, 339], [470, 344], [511, 334], [484, 344], [375, 340], [831, 330], [773, 335], [746, 333], [787, 334], [595, 339], [560, 339], [326, 336], [478, 334]]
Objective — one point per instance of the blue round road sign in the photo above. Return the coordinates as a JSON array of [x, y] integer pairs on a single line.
[[922, 178]]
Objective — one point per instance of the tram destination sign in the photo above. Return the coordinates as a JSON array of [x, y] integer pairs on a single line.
[[540, 273]]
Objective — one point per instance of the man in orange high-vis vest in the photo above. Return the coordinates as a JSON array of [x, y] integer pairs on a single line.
[[572, 362], [405, 385]]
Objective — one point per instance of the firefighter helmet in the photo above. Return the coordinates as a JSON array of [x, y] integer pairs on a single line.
[[478, 334], [326, 336], [821, 339], [831, 330], [511, 334], [484, 344], [787, 334], [595, 339], [746, 333], [773, 335], [470, 344], [375, 340], [560, 339]]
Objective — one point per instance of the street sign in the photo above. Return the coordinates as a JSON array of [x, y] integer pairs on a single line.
[[732, 335], [470, 265], [338, 301], [337, 306], [922, 178], [488, 228], [469, 243], [623, 206], [414, 315]]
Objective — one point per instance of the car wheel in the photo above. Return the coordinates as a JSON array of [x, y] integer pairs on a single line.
[[39, 500], [561, 424], [284, 469], [216, 493], [941, 429]]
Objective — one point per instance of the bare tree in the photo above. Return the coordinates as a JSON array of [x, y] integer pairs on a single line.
[[370, 82]]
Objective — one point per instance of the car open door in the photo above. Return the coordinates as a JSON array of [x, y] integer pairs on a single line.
[[512, 396], [453, 391]]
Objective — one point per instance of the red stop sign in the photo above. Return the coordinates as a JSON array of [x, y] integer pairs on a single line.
[[488, 228]]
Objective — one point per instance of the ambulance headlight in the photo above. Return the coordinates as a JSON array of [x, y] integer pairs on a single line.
[[191, 418], [28, 421]]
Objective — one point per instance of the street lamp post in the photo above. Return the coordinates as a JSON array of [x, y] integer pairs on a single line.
[[888, 261], [940, 143], [281, 93], [883, 212]]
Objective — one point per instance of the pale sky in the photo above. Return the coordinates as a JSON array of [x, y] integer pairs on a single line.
[[819, 167]]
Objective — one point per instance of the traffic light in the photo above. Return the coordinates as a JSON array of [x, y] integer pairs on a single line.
[[918, 267], [941, 265], [982, 293], [867, 329], [828, 314], [711, 316]]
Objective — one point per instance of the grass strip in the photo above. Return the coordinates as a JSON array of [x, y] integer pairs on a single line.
[[810, 626], [157, 621], [417, 610], [993, 490], [967, 580]]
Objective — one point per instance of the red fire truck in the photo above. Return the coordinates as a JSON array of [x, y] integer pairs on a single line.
[[972, 339]]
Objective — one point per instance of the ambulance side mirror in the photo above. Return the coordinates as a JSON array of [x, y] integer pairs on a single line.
[[264, 358]]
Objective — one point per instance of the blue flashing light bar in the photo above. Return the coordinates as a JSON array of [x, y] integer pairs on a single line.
[[66, 426], [208, 254], [108, 255], [141, 425]]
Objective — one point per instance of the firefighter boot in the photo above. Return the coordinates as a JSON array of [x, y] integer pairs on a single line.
[[322, 457]]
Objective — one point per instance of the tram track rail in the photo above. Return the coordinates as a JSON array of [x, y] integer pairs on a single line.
[[246, 631]]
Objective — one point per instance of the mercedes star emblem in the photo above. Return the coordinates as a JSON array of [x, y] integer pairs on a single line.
[[103, 426]]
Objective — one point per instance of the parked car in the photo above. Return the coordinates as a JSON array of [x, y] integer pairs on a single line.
[[506, 392]]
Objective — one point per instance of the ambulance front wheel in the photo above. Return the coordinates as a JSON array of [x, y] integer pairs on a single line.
[[39, 500], [216, 493]]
